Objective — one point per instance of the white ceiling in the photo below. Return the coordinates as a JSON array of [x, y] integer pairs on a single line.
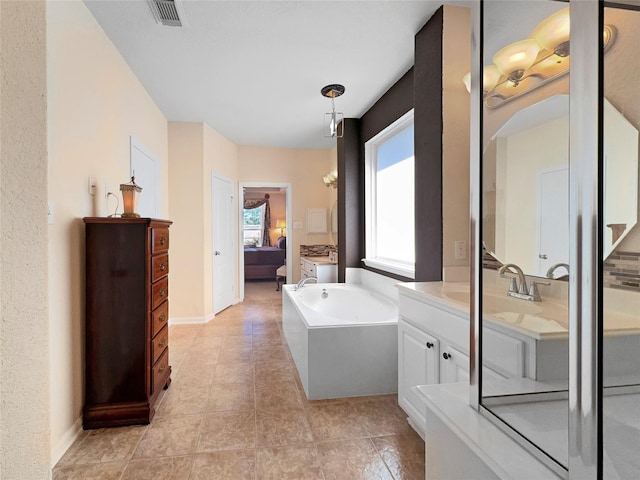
[[253, 70]]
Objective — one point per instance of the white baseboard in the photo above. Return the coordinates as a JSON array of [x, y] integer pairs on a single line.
[[190, 320], [65, 442]]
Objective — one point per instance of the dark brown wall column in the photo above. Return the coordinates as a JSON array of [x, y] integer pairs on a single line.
[[427, 90], [350, 199]]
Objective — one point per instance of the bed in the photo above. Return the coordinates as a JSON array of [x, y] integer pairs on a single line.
[[262, 262]]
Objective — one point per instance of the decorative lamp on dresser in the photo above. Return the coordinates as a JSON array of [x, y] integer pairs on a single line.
[[127, 314]]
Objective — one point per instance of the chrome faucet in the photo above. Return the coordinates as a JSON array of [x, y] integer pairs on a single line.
[[305, 280], [520, 290], [555, 266]]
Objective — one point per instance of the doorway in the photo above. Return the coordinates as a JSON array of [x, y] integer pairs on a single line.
[[264, 251]]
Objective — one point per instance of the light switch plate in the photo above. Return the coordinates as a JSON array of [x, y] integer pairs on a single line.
[[50, 213], [460, 250]]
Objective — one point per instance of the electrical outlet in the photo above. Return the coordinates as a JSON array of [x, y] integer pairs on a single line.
[[106, 190], [297, 225], [460, 247], [50, 213]]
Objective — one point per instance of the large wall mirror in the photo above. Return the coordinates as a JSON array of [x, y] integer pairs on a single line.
[[525, 229], [525, 166]]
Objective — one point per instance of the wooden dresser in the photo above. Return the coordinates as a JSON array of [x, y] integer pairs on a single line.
[[127, 314]]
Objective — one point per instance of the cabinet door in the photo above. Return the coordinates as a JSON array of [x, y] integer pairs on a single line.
[[417, 365], [454, 365]]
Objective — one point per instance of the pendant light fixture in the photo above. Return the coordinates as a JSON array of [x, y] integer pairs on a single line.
[[333, 122]]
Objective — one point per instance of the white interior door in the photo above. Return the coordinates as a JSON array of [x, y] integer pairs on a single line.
[[144, 166], [553, 219], [222, 235]]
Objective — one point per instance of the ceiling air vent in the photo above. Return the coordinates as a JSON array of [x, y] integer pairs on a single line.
[[168, 12]]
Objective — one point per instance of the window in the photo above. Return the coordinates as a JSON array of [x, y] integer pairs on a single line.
[[252, 229], [389, 199]]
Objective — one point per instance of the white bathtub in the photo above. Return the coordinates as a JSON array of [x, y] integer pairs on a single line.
[[343, 345]]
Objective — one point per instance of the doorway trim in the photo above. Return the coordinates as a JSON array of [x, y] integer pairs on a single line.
[[288, 222]]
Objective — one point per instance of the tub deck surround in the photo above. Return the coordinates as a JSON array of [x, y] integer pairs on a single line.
[[343, 345]]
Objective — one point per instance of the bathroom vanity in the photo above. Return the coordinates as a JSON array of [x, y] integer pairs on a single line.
[[525, 346], [321, 267]]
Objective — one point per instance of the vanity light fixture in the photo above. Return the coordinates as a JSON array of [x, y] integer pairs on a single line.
[[528, 64], [333, 122], [331, 179]]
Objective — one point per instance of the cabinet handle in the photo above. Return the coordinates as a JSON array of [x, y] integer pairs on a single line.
[[163, 266], [163, 240], [163, 292], [429, 345], [446, 356], [162, 317]]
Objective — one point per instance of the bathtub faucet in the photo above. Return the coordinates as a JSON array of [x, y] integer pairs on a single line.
[[303, 281]]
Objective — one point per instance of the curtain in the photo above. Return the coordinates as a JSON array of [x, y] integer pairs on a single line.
[[266, 224]]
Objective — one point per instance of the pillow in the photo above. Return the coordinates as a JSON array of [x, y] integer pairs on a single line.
[[281, 243]]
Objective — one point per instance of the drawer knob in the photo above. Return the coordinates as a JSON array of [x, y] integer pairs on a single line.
[[163, 240], [162, 344], [163, 266], [162, 317], [162, 368], [446, 356], [163, 292], [429, 345]]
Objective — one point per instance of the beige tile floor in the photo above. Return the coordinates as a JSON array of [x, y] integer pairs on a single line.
[[236, 410]]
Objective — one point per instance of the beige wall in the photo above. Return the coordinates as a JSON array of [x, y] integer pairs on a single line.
[[95, 104], [196, 151], [24, 333], [455, 137], [520, 160], [304, 169]]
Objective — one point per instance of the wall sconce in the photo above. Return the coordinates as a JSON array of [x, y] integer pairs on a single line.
[[333, 122], [331, 179], [281, 224], [528, 64], [130, 196]]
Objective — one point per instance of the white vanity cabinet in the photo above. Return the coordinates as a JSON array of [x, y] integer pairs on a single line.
[[433, 347], [320, 267]]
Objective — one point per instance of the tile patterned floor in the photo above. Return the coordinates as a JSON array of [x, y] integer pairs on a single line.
[[236, 410]]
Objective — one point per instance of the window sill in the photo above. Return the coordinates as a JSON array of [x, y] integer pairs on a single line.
[[390, 267]]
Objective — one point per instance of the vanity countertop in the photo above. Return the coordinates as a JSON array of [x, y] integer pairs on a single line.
[[319, 260], [540, 320]]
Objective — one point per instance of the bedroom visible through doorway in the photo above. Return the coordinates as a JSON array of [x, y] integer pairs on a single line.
[[263, 235]]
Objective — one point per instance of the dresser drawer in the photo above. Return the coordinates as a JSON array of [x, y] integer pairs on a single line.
[[159, 292], [160, 372], [159, 343], [159, 318], [159, 239], [159, 266]]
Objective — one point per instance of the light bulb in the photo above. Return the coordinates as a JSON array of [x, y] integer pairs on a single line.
[[553, 30]]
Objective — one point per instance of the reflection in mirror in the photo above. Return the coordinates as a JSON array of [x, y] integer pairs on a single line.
[[525, 167], [524, 351], [621, 278]]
